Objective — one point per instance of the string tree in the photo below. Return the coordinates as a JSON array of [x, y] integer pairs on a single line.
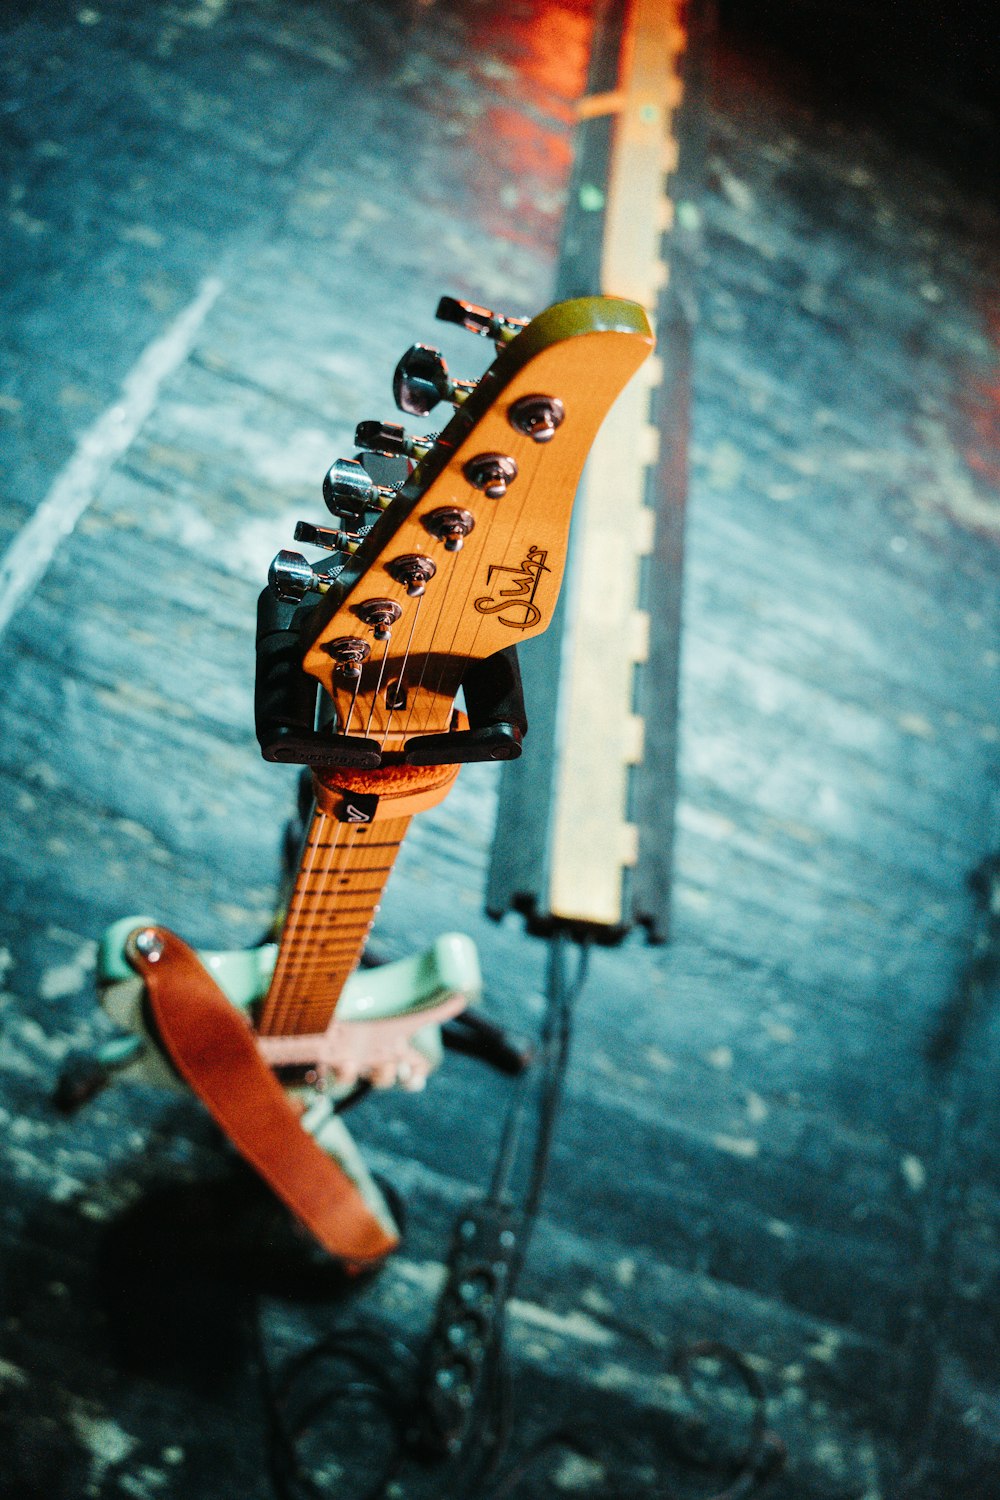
[[421, 380]]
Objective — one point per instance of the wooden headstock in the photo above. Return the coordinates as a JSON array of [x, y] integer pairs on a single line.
[[467, 556]]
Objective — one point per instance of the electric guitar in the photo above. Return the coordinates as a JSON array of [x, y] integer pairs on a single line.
[[427, 586]]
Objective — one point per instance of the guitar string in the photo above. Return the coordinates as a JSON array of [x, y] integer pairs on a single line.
[[314, 921], [402, 670], [339, 967], [449, 589], [354, 699], [315, 916], [297, 923], [318, 918], [378, 685], [317, 921], [414, 697], [447, 664], [343, 967], [412, 705], [444, 595], [418, 686], [515, 521]]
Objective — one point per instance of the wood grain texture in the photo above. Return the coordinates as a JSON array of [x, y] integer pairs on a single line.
[[343, 870], [581, 353]]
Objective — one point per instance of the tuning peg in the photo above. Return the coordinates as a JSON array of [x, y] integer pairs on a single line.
[[480, 320], [450, 524], [491, 473], [291, 577], [380, 614], [349, 491], [349, 655], [324, 536], [390, 439], [421, 380], [537, 417], [413, 571]]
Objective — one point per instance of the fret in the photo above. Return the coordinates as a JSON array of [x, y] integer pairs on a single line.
[[338, 889], [326, 955], [330, 913], [356, 890], [327, 961], [325, 901], [392, 844]]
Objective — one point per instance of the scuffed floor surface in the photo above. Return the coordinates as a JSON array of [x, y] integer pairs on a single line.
[[760, 1142]]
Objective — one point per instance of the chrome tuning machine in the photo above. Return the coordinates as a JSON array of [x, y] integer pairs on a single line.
[[390, 439], [349, 491], [421, 380], [481, 320], [325, 536], [291, 577]]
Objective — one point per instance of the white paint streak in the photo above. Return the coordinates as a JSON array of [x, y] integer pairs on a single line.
[[11, 1374], [428, 1275], [96, 452], [914, 1173], [737, 1145], [574, 1325], [107, 1443], [578, 1473], [69, 978]]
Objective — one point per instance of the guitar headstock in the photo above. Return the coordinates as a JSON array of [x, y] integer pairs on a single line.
[[429, 580]]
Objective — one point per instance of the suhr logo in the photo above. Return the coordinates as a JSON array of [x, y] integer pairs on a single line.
[[515, 605], [358, 807]]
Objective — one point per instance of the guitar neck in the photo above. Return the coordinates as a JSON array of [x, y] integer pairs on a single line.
[[357, 827], [460, 561]]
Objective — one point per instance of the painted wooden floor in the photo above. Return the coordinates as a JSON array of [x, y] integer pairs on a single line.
[[780, 1128]]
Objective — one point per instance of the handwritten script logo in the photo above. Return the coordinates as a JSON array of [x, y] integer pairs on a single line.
[[515, 605]]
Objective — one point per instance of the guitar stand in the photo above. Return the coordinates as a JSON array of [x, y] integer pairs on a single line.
[[285, 706]]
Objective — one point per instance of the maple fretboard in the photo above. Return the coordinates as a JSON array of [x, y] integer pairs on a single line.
[[342, 872]]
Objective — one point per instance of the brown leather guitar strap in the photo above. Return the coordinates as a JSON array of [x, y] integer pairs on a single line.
[[213, 1049]]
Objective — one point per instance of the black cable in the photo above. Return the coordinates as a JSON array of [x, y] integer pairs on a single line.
[[553, 1054], [556, 1042], [763, 1452], [293, 1412], [762, 1456]]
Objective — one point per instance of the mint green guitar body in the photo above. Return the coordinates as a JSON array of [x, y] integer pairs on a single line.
[[417, 991]]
